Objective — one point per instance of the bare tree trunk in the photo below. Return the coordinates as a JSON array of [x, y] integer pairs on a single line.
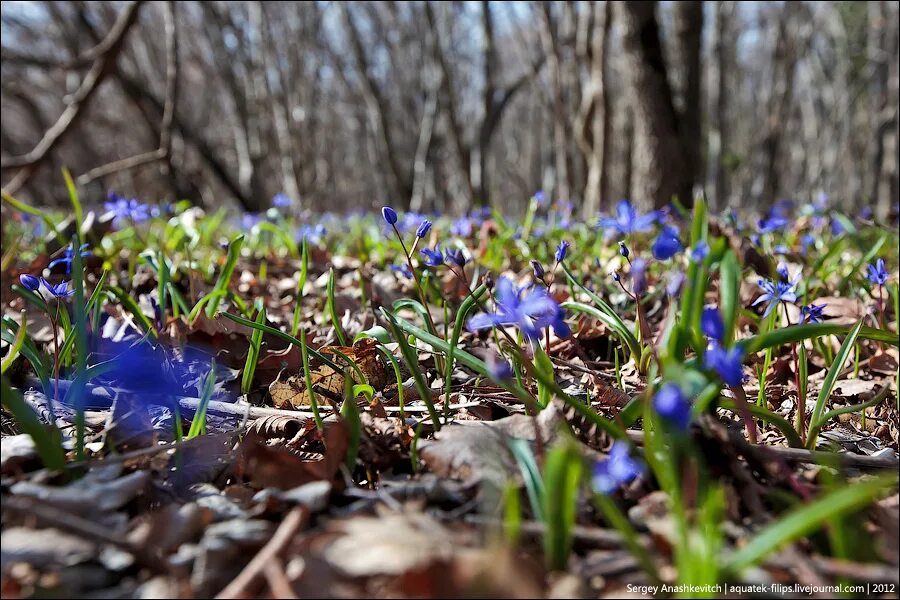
[[551, 43], [661, 170], [688, 17], [724, 56], [883, 90], [784, 65]]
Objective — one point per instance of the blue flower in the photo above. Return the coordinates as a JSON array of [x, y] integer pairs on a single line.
[[676, 280], [389, 215], [813, 313], [666, 244], [402, 269], [727, 363], [711, 323], [67, 258], [59, 291], [618, 468], [670, 403], [561, 251], [700, 251], [29, 282], [433, 258], [125, 209], [528, 309], [639, 276], [462, 227], [423, 229], [538, 269], [498, 368], [282, 200], [456, 256], [877, 273], [623, 249], [771, 224], [539, 198], [775, 292], [627, 220], [312, 233]]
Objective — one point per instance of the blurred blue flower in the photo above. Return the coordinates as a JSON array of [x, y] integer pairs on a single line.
[[250, 220], [561, 251], [711, 323], [676, 280], [125, 209], [537, 268], [282, 200], [837, 228], [402, 269], [812, 313], [639, 276], [461, 227], [670, 403], [29, 282], [423, 229], [539, 198], [627, 220], [433, 258], [456, 256], [727, 363], [700, 251], [877, 273], [389, 215], [68, 257], [313, 234], [499, 368], [666, 244], [618, 468], [59, 291], [529, 309]]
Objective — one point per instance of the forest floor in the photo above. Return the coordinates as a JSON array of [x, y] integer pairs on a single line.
[[282, 406]]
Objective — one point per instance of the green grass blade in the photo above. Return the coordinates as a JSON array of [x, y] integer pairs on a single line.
[[807, 331], [332, 311], [831, 378], [224, 279], [253, 352], [198, 423], [15, 347]]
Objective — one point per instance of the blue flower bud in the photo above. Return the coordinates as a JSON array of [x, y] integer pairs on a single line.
[[29, 282], [389, 214], [423, 229]]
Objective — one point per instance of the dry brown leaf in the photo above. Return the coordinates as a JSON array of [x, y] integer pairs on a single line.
[[327, 383]]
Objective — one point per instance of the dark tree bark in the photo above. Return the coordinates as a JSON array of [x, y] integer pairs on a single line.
[[688, 17], [661, 167]]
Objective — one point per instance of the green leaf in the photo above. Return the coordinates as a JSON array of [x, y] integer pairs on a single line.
[[808, 518], [729, 291], [15, 347], [798, 333], [616, 324], [224, 279], [46, 439], [332, 311], [253, 352], [562, 475], [831, 378], [412, 361]]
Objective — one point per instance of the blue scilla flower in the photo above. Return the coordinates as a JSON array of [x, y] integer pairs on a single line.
[[617, 469], [462, 227], [530, 309], [389, 215], [126, 209], [639, 276], [877, 274], [711, 323], [671, 404], [424, 228], [623, 249], [666, 244], [68, 257], [728, 364], [537, 268], [282, 200], [812, 313], [456, 256], [627, 220], [539, 198], [312, 233], [775, 292], [59, 291], [402, 269], [561, 251], [29, 282], [433, 258], [700, 251]]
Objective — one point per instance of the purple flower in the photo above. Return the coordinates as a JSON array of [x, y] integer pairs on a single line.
[[528, 309], [812, 313], [125, 209], [539, 198], [676, 280], [561, 251], [639, 276], [727, 363], [700, 251], [433, 258], [627, 220], [389, 215], [670, 403], [68, 257], [711, 323], [282, 200], [623, 249], [771, 224], [29, 282], [456, 256], [402, 269], [666, 244], [618, 468], [877, 273], [423, 229], [312, 233], [537, 268], [775, 292], [59, 291], [462, 227]]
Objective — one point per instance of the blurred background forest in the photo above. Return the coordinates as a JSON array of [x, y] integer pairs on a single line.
[[440, 106]]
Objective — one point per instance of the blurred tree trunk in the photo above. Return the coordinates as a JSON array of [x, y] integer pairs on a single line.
[[724, 55], [594, 120], [688, 21], [661, 170], [784, 65], [882, 55], [552, 48]]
